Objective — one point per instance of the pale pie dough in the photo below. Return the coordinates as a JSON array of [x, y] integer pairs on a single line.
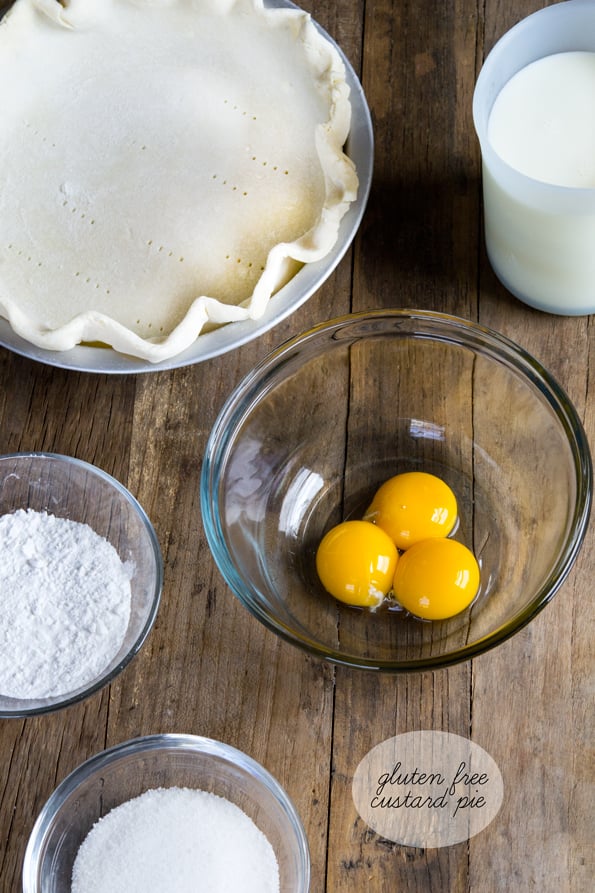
[[166, 166]]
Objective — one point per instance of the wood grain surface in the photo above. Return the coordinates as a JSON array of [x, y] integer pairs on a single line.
[[211, 669]]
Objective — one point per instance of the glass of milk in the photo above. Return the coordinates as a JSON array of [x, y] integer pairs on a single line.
[[534, 113]]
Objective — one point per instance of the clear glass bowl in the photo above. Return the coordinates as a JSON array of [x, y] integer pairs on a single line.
[[307, 437], [73, 489], [128, 770]]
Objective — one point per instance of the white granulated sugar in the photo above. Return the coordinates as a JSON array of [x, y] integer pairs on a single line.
[[176, 840], [64, 604]]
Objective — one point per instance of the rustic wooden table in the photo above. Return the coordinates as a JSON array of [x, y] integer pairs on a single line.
[[208, 667]]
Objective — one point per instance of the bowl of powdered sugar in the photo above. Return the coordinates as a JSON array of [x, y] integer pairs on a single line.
[[80, 581], [168, 813]]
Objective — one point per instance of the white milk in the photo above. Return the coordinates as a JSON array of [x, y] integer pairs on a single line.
[[543, 120], [540, 236]]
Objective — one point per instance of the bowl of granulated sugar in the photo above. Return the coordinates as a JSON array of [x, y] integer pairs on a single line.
[[81, 575], [168, 813]]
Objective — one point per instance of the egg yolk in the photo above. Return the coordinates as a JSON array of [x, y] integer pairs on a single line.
[[413, 506], [356, 563], [436, 579]]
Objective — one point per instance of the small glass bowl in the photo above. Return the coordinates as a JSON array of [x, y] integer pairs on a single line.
[[306, 438], [73, 489], [161, 761]]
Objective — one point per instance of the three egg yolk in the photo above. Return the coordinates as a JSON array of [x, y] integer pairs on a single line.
[[401, 548]]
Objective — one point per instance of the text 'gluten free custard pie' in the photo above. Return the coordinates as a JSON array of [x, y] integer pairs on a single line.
[[167, 165]]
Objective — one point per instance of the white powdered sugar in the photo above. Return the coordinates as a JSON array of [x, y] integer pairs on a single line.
[[176, 839], [64, 604]]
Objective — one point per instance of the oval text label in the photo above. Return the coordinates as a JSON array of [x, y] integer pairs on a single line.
[[427, 789]]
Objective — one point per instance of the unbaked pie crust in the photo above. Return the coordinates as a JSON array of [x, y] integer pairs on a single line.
[[167, 165]]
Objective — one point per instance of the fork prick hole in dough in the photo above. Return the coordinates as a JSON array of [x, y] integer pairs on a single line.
[[29, 258]]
